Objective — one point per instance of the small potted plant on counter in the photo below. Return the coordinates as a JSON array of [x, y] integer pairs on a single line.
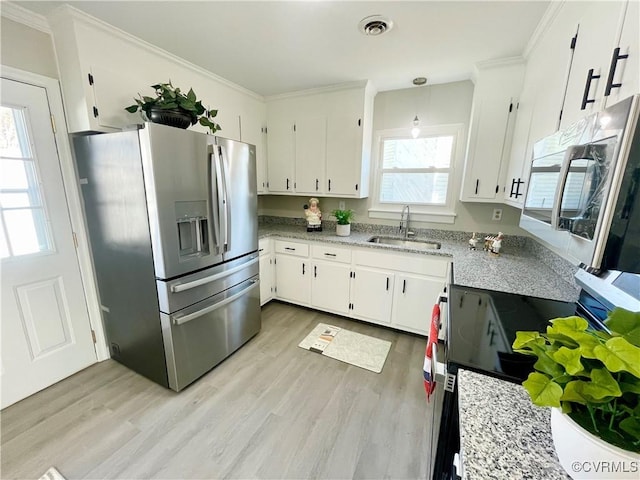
[[343, 219], [592, 379], [172, 107]]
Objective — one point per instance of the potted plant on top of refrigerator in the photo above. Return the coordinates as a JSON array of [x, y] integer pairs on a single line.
[[592, 379], [172, 107]]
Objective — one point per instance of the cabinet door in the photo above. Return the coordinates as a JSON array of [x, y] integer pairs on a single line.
[[344, 155], [491, 130], [266, 278], [252, 132], [413, 301], [330, 287], [372, 294], [599, 23], [280, 157], [626, 71], [516, 179], [293, 279], [311, 143]]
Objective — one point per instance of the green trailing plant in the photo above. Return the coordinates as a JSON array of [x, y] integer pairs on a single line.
[[169, 97], [343, 217], [592, 375]]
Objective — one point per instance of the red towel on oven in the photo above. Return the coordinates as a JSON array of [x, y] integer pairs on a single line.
[[429, 373]]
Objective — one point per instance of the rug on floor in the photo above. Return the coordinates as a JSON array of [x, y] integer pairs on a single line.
[[52, 474], [350, 347]]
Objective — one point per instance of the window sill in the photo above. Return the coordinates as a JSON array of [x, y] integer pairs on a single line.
[[417, 216]]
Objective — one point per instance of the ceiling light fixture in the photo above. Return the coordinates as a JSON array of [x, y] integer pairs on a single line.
[[415, 131], [419, 81], [375, 25]]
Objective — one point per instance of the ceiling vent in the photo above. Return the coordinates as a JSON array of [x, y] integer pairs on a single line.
[[375, 25]]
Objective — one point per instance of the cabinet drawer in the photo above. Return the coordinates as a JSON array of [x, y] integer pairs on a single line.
[[264, 246], [325, 252], [410, 263], [292, 248]]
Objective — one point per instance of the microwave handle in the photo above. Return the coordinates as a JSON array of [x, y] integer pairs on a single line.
[[564, 172]]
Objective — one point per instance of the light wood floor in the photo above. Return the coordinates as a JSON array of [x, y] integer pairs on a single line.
[[272, 410]]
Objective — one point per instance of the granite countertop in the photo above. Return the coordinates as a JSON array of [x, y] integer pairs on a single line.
[[516, 270], [502, 434]]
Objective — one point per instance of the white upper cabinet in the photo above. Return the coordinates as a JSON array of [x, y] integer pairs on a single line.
[[497, 87], [102, 69], [252, 131], [328, 153], [599, 24], [281, 156], [310, 145], [623, 77], [580, 37]]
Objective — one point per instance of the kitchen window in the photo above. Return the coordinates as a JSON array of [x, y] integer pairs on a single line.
[[416, 171]]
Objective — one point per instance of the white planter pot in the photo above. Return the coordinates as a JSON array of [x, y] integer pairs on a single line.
[[584, 455], [343, 230]]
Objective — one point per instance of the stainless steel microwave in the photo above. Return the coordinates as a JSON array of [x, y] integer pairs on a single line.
[[583, 197]]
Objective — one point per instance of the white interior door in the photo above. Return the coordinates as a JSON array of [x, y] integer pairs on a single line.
[[45, 330]]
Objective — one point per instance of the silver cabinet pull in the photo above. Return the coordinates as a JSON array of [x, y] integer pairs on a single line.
[[181, 287], [180, 320]]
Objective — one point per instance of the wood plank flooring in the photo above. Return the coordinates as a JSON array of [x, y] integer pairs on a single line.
[[272, 410]]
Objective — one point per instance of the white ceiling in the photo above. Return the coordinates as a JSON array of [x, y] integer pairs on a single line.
[[276, 47]]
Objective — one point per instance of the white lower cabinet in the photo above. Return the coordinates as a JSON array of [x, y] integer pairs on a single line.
[[413, 300], [372, 294], [293, 279], [330, 287], [267, 270], [394, 289], [266, 278]]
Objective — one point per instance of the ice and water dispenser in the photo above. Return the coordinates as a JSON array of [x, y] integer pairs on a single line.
[[193, 228]]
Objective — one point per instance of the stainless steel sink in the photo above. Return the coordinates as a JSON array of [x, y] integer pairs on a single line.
[[409, 242]]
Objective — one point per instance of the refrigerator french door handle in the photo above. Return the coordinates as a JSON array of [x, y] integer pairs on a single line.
[[227, 208], [214, 194], [222, 213], [181, 287], [181, 320]]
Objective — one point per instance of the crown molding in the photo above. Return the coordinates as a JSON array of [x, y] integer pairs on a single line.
[[544, 23], [66, 11], [24, 16], [327, 89]]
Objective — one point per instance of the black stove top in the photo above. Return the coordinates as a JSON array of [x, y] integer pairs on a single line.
[[482, 326]]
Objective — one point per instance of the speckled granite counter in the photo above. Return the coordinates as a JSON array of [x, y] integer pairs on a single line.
[[516, 270], [502, 434]]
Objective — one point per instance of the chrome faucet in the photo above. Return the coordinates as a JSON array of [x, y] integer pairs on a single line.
[[404, 222]]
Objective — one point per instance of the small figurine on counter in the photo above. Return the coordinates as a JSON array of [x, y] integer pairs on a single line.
[[488, 240], [496, 245], [313, 215], [473, 242]]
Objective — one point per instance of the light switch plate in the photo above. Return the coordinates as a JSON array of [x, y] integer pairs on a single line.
[[341, 205]]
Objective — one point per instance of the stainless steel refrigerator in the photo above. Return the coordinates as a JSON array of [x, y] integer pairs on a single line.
[[172, 220]]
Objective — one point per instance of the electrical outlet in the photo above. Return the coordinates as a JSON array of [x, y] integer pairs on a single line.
[[497, 215], [341, 206]]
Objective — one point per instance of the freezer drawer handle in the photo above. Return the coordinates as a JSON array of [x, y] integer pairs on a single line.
[[181, 287], [187, 318]]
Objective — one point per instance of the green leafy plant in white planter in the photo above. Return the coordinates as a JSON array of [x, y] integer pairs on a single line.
[[592, 378], [343, 219]]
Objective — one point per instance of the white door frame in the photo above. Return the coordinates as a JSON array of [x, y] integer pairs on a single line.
[[72, 193]]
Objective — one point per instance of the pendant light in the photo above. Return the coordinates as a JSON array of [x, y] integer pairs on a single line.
[[415, 131]]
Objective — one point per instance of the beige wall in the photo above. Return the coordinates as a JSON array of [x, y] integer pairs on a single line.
[[27, 49], [434, 105]]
